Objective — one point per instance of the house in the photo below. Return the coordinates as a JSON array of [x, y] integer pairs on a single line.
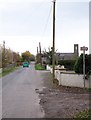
[[68, 56]]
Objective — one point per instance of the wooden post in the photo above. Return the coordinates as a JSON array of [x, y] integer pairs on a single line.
[[3, 54], [40, 53], [53, 48]]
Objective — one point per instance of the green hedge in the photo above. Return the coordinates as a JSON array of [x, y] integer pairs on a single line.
[[79, 64], [69, 64], [39, 67]]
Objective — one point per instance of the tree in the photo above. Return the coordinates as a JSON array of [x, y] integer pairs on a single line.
[[88, 62], [27, 56], [48, 56], [32, 58]]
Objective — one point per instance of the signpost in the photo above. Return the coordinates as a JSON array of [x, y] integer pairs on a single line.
[[84, 49]]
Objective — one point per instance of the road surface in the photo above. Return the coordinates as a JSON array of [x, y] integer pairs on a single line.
[[27, 93], [19, 96]]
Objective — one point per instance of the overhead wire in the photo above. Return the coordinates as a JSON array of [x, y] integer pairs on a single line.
[[47, 22], [35, 10], [48, 18]]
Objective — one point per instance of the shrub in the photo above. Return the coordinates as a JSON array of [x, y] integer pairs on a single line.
[[78, 67], [69, 64]]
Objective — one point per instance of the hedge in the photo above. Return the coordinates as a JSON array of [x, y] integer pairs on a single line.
[[69, 64], [79, 64]]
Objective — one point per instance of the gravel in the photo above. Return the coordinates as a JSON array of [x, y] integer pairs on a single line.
[[62, 102]]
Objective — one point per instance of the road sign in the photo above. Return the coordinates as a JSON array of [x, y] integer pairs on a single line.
[[84, 48]]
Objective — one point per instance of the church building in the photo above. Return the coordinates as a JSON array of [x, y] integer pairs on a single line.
[[69, 56]]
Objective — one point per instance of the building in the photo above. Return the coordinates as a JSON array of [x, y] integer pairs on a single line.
[[68, 56]]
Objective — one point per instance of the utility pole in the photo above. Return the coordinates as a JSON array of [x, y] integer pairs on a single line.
[[37, 50], [3, 54], [37, 56], [40, 53], [53, 48], [40, 47]]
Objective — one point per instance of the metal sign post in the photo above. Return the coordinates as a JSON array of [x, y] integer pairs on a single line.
[[84, 49]]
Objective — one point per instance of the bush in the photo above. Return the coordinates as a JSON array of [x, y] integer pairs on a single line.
[[69, 64], [78, 67], [39, 67]]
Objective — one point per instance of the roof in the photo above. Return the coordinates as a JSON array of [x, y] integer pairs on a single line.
[[66, 56]]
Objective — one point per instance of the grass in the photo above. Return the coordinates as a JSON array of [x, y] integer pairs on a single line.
[[39, 67], [89, 89], [5, 72], [84, 114]]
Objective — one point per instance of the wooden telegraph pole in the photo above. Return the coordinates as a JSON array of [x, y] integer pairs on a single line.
[[3, 54], [40, 53], [53, 48], [37, 50]]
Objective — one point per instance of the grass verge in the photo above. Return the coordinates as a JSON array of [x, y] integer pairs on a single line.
[[5, 72], [39, 67], [84, 114], [89, 89]]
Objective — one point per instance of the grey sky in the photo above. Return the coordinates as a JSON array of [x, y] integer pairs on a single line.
[[25, 23]]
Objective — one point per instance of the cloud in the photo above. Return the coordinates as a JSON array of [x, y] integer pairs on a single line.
[[23, 30]]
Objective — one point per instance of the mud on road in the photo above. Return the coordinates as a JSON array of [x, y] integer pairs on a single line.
[[62, 102]]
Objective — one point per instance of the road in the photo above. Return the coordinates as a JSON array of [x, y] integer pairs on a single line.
[[19, 96], [27, 93]]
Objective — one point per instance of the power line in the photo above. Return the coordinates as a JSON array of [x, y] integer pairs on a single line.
[[48, 18]]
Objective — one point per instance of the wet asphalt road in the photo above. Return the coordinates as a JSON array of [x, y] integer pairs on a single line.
[[19, 96]]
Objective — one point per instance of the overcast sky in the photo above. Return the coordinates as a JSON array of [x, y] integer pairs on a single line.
[[25, 23]]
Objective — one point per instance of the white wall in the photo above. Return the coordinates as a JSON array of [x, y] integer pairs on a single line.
[[72, 80]]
